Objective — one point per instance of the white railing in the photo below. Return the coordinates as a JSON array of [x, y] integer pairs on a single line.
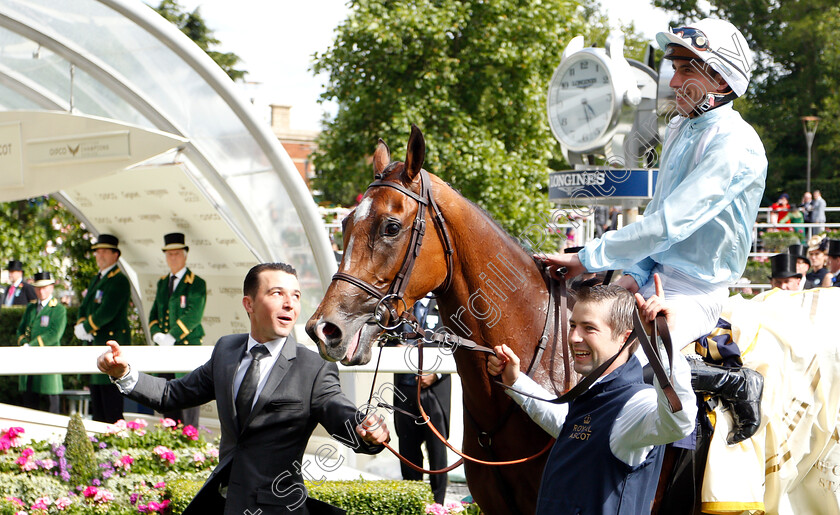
[[153, 359]]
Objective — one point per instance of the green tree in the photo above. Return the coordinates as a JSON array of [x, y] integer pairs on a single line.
[[796, 74], [192, 24], [471, 74], [44, 235]]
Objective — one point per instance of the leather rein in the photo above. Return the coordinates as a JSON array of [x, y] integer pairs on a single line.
[[557, 305]]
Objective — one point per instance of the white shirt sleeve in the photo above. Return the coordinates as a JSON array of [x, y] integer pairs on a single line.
[[646, 420], [126, 383], [548, 416]]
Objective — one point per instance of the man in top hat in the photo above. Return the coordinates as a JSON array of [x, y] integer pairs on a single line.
[[103, 316], [834, 260], [803, 263], [819, 274], [784, 274], [175, 316], [42, 325], [17, 293]]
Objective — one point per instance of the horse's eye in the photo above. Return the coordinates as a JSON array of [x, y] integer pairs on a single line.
[[391, 228]]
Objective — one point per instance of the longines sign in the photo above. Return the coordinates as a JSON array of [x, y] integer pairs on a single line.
[[78, 148], [10, 157], [599, 183]]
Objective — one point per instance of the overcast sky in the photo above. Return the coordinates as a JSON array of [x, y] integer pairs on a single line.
[[276, 40]]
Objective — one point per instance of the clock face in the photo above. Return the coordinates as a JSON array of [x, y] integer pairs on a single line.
[[581, 102]]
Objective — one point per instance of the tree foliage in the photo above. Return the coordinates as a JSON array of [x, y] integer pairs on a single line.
[[796, 74], [44, 235], [471, 74], [192, 24]]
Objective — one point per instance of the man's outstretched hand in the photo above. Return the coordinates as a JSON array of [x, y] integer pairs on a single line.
[[112, 362]]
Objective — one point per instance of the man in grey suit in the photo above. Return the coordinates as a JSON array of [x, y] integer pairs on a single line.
[[271, 392]]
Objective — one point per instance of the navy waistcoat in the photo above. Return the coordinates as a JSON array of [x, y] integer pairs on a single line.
[[582, 475]]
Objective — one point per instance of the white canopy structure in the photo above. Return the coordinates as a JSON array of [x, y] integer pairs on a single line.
[[111, 109]]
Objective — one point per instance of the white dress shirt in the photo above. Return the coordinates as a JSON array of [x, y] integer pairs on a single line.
[[644, 422]]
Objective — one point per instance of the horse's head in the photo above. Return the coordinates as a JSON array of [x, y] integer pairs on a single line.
[[379, 236]]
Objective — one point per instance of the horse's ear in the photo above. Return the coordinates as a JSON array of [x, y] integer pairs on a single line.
[[415, 154], [381, 158]]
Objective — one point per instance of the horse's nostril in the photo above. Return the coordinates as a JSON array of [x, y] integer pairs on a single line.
[[331, 331]]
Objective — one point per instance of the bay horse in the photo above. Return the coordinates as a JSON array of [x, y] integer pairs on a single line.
[[488, 289]]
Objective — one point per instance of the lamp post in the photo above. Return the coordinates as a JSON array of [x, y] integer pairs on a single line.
[[809, 124]]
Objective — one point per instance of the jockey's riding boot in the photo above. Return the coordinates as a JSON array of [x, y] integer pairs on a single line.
[[738, 388]]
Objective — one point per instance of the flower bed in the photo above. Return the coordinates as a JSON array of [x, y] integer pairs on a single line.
[[137, 470], [133, 468]]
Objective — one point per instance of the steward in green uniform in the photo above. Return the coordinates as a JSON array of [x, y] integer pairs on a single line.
[[103, 316], [42, 325], [175, 317]]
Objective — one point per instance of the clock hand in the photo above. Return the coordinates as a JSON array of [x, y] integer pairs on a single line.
[[585, 112]]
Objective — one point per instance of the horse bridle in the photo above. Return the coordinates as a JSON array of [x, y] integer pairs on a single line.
[[398, 285]]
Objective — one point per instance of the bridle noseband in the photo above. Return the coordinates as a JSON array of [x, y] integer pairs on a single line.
[[399, 283]]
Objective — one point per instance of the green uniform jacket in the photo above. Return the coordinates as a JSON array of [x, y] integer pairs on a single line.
[[43, 329], [104, 312], [179, 314]]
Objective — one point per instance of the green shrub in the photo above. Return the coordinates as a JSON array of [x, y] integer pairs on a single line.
[[361, 497], [80, 452], [180, 492], [758, 272], [779, 241]]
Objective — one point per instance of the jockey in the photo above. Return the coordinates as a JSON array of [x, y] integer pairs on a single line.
[[697, 230]]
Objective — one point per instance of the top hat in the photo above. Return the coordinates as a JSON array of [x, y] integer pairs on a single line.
[[15, 266], [174, 241], [834, 248], [783, 266], [43, 279], [800, 251], [106, 241]]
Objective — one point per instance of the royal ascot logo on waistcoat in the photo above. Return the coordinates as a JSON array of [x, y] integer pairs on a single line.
[[582, 431]]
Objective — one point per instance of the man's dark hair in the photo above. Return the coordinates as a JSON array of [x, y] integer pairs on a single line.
[[619, 301], [252, 280]]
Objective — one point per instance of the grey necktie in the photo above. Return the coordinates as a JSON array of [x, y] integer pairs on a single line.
[[248, 388]]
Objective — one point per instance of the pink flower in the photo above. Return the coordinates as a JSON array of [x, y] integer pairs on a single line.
[[435, 509], [191, 432], [90, 491], [165, 454], [198, 457], [63, 502], [119, 428], [47, 464], [103, 496], [29, 466], [124, 461], [213, 453], [42, 503], [29, 451], [15, 500], [168, 422], [138, 423], [160, 485]]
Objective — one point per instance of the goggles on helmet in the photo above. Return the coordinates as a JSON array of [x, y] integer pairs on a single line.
[[698, 40]]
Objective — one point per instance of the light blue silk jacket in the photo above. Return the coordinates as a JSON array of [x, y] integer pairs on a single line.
[[710, 185]]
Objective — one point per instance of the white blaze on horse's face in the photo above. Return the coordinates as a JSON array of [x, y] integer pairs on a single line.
[[360, 213]]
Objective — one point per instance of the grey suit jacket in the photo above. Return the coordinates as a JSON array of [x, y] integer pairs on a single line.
[[261, 463]]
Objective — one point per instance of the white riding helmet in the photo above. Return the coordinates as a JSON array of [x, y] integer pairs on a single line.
[[718, 43]]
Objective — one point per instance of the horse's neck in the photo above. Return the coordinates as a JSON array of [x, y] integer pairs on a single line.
[[498, 295]]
